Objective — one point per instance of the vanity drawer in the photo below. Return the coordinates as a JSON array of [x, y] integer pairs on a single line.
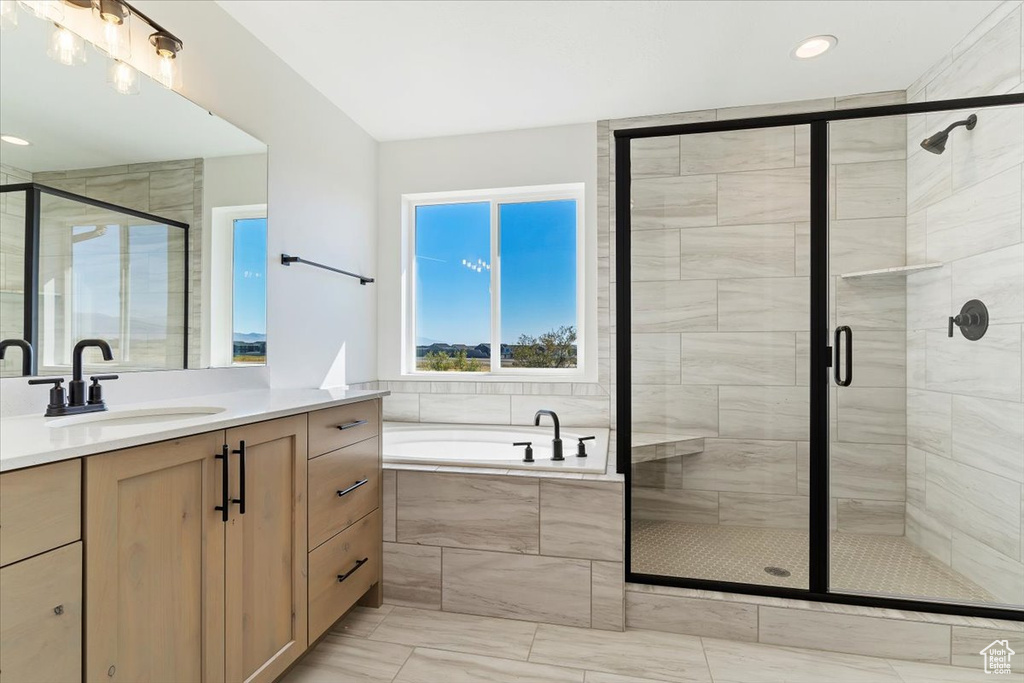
[[354, 554], [40, 509], [41, 618], [344, 486], [334, 428]]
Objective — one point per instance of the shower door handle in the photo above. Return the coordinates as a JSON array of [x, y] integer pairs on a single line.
[[836, 370]]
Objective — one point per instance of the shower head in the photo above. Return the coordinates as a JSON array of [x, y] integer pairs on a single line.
[[936, 144]]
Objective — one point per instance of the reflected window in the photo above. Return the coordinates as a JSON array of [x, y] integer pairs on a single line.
[[249, 291]]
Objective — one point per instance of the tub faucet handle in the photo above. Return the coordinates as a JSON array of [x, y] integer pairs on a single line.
[[581, 448], [528, 455]]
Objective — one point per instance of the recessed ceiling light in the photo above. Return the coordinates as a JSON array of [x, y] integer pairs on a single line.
[[814, 46], [15, 140]]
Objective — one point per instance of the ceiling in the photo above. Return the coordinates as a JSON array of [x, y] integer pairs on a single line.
[[74, 120], [405, 69]]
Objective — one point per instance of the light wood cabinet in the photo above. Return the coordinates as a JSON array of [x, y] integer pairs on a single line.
[[40, 509], [154, 563], [344, 486], [265, 567], [41, 618]]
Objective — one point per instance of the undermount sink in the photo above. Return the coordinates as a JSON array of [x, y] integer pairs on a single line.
[[138, 416]]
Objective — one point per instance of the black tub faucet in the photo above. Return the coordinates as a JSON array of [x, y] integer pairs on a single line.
[[556, 443], [76, 387], [26, 353]]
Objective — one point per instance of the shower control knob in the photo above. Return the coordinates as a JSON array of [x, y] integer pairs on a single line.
[[528, 454], [581, 447], [972, 320]]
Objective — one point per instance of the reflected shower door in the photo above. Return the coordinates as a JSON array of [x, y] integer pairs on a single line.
[[719, 250], [927, 433]]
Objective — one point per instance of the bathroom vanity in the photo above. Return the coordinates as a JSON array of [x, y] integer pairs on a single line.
[[208, 548]]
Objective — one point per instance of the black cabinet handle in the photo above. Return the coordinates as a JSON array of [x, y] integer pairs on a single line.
[[224, 495], [240, 501], [350, 425], [353, 487], [350, 572], [837, 372]]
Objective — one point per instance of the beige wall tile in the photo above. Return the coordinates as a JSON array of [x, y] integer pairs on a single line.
[[763, 304], [775, 196], [929, 534], [989, 368], [469, 511], [687, 306], [732, 151], [762, 510], [868, 471], [989, 67], [654, 255], [529, 587], [674, 505], [855, 634], [867, 244], [737, 251], [607, 596], [881, 358], [989, 435], [742, 465], [654, 157], [573, 411], [929, 415], [390, 489], [402, 407], [997, 278], [412, 575], [870, 517], [655, 358], [689, 410], [977, 219], [666, 203], [466, 409], [693, 616], [872, 415], [763, 412], [1000, 575], [581, 519], [863, 140], [995, 145], [871, 190], [739, 358]]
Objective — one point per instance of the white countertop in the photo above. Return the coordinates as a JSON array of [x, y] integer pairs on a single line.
[[28, 440]]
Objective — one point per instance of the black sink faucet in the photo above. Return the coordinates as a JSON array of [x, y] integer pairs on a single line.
[[76, 388], [556, 443], [26, 353]]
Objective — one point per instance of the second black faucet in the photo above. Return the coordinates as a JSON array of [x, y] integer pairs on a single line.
[[556, 443]]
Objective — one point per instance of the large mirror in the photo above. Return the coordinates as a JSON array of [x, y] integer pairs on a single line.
[[139, 219]]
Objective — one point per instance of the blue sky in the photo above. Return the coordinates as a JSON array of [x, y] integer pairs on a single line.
[[538, 280], [249, 276]]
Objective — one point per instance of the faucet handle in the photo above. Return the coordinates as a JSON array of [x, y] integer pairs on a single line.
[[57, 402], [95, 390], [528, 455], [581, 448]]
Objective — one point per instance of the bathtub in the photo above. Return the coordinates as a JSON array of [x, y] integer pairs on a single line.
[[490, 446]]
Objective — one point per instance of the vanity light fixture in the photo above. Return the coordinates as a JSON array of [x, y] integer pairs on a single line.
[[123, 77], [66, 47], [168, 72], [15, 140], [8, 15], [815, 46], [116, 18], [51, 10]]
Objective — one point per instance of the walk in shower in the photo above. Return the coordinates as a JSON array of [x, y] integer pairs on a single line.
[[820, 327]]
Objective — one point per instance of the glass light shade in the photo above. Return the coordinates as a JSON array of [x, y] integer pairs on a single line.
[[8, 15], [66, 47], [123, 78], [168, 72], [116, 39], [51, 10]]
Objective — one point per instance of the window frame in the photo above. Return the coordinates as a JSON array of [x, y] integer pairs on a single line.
[[495, 197]]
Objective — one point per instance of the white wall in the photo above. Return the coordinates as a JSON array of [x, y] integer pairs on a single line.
[[563, 154], [322, 193]]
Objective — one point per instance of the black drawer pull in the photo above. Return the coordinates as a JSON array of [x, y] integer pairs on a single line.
[[350, 572], [353, 487], [350, 425], [225, 498], [240, 501]]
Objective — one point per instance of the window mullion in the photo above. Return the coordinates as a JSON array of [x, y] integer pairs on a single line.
[[495, 289]]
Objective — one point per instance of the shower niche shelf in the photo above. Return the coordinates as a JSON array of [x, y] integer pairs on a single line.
[[889, 272]]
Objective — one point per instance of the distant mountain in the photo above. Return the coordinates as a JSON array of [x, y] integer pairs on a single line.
[[249, 337]]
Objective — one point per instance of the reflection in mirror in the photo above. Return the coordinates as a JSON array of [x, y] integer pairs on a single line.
[[140, 219]]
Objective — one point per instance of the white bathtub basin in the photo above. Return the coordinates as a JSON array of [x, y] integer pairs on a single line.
[[491, 446]]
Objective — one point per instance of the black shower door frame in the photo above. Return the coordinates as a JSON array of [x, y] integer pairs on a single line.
[[820, 349]]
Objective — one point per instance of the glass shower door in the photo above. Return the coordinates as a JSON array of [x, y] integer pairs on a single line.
[[720, 299], [927, 431]]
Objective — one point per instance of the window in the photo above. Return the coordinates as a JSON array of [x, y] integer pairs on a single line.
[[494, 282], [238, 286]]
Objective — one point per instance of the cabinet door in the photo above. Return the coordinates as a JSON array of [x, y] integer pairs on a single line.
[[266, 550], [154, 562]]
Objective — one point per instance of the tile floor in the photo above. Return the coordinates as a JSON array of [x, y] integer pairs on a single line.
[[407, 645], [888, 565]]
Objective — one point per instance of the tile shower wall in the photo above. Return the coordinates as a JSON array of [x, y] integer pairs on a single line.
[[172, 189], [965, 419], [12, 264], [720, 306]]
